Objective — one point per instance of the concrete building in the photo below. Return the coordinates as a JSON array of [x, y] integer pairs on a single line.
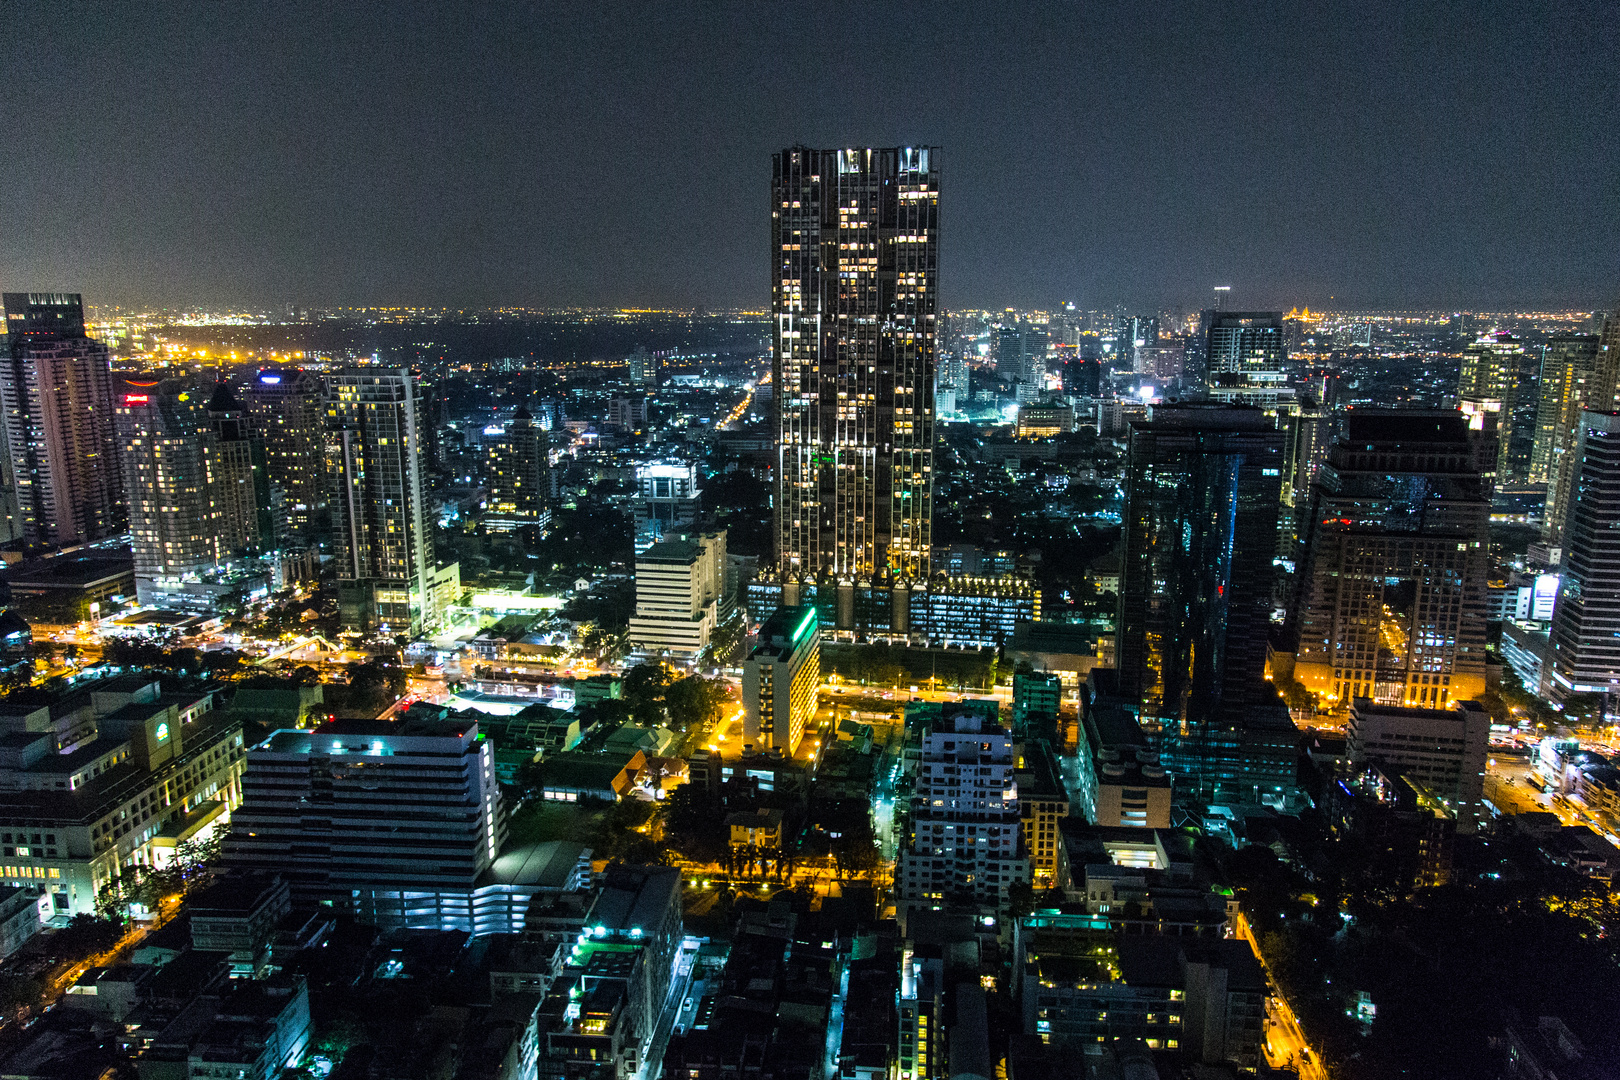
[[1444, 750], [238, 914], [289, 418], [1408, 832], [1391, 599], [396, 821], [780, 679], [668, 498], [680, 591], [20, 911], [377, 443], [1585, 634], [1121, 782], [60, 483], [966, 845], [112, 776]]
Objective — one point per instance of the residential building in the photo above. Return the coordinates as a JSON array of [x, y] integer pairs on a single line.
[[1121, 782], [519, 469], [1585, 633], [780, 680], [289, 418], [1488, 381], [1405, 832], [395, 821], [377, 444], [1390, 602], [59, 483], [1444, 750], [680, 593], [1042, 805], [760, 830], [238, 914], [250, 1030], [1044, 420], [643, 366], [1035, 692], [239, 475], [111, 776], [19, 918], [1247, 358], [1568, 365], [966, 845], [855, 287]]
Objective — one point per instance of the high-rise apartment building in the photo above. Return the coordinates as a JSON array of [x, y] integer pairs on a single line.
[[289, 418], [855, 285], [1390, 604], [394, 821], [1568, 371], [239, 474], [966, 846], [62, 483], [1444, 750], [519, 468], [1585, 635], [780, 679], [1489, 381], [387, 578], [191, 496], [1195, 593]]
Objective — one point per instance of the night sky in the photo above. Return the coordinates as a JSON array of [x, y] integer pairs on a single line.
[[351, 153]]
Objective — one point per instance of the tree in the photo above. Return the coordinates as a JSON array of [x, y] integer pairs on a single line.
[[694, 701]]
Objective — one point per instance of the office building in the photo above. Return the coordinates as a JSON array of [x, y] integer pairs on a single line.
[[1443, 750], [1043, 803], [387, 577], [973, 611], [1568, 379], [1035, 693], [1390, 602], [114, 775], [1246, 358], [1585, 632], [855, 286], [1020, 357], [61, 483], [188, 497], [238, 472], [668, 496], [289, 418], [1195, 593], [966, 846], [1488, 381], [680, 594], [396, 822], [1162, 362], [780, 680], [1044, 419]]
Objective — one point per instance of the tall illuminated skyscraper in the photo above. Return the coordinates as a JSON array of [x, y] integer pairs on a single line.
[[855, 280], [386, 572], [61, 482], [1586, 622], [1568, 366], [1391, 593], [1488, 382], [289, 418]]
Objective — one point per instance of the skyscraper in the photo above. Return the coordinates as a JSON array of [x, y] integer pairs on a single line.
[[855, 279], [386, 573], [1586, 622], [62, 482], [519, 466], [288, 416], [1391, 593], [177, 520], [237, 470], [1246, 358], [1490, 374], [1195, 593], [1568, 366]]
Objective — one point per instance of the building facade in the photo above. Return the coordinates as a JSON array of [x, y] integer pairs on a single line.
[[377, 446], [1391, 601], [668, 496], [1442, 749], [680, 591], [966, 846], [780, 680], [1585, 635], [855, 279], [62, 484], [289, 418]]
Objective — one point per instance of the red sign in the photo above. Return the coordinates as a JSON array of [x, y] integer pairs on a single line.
[[136, 399]]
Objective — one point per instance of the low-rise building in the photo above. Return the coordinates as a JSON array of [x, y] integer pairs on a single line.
[[1407, 833], [680, 593], [19, 917], [1120, 779], [1444, 750], [759, 829], [238, 914]]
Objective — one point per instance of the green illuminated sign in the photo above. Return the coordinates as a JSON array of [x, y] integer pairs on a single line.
[[808, 621], [162, 732]]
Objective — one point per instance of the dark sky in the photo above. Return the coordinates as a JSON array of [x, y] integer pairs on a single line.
[[354, 153]]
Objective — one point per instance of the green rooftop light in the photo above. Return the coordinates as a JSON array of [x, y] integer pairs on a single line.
[[804, 625]]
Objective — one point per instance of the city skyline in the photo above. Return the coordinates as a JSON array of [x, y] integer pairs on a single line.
[[1409, 156]]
